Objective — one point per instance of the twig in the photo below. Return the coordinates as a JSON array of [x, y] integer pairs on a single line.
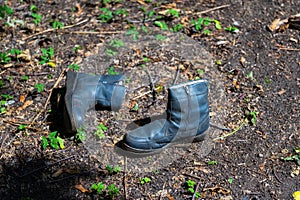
[[145, 93], [95, 32], [231, 133], [289, 49], [53, 29], [219, 127], [197, 187], [213, 9], [176, 76], [151, 85], [46, 165], [48, 99], [124, 178]]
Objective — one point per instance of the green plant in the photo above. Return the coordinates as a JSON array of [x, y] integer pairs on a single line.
[[177, 27], [99, 187], [252, 116], [111, 52], [161, 24], [121, 11], [74, 66], [48, 54], [112, 190], [15, 52], [57, 25], [55, 141], [231, 29], [160, 37], [206, 32], [112, 170], [100, 130], [80, 135], [200, 22], [111, 71], [76, 48], [116, 43], [212, 162], [5, 10], [3, 103], [22, 127], [172, 12], [295, 157], [267, 80], [191, 188], [144, 180], [4, 58], [133, 32], [106, 15], [40, 87], [230, 180], [218, 62], [1, 83], [33, 8]]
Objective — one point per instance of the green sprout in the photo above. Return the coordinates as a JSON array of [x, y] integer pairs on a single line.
[[111, 52], [144, 180], [117, 43], [252, 116], [295, 157], [172, 12], [4, 58], [111, 71], [191, 188], [161, 24], [177, 27], [39, 87], [74, 67], [232, 29], [113, 170], [48, 54], [121, 11], [133, 32], [206, 32], [212, 162], [80, 135], [22, 127], [160, 37], [5, 10], [56, 142], [230, 180], [100, 130], [99, 187], [113, 190], [106, 15], [57, 25]]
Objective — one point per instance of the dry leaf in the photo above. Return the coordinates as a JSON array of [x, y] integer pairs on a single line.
[[274, 24], [142, 2], [236, 85], [170, 5], [169, 197], [262, 166], [81, 188], [296, 195], [58, 173], [25, 105], [22, 98], [79, 9]]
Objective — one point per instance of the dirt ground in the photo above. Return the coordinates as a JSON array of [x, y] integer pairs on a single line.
[[254, 92]]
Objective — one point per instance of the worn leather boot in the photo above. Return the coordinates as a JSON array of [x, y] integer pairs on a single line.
[[85, 92], [187, 121]]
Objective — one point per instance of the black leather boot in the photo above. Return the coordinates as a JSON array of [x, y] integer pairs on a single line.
[[85, 92], [187, 120]]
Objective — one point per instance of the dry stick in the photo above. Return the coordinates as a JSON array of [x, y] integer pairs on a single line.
[[48, 99], [289, 49], [176, 76], [124, 178], [213, 9], [97, 32], [53, 29], [194, 195], [231, 133], [151, 85]]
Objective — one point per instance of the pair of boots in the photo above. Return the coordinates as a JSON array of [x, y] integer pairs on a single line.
[[187, 111]]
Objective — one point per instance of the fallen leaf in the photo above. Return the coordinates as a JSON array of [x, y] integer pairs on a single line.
[[58, 173], [236, 85], [296, 195], [142, 2], [171, 198], [79, 9], [25, 105], [274, 24], [281, 92], [262, 166], [81, 188], [22, 98]]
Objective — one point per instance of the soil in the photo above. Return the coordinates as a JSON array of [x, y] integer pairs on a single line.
[[254, 93]]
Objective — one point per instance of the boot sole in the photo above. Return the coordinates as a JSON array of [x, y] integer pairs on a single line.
[[71, 84], [129, 151]]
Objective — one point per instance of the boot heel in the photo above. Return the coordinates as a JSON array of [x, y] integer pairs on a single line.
[[200, 137]]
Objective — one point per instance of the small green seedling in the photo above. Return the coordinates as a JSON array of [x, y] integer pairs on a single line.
[[206, 32], [144, 180], [177, 27], [80, 135], [212, 162], [76, 48], [74, 67], [40, 87], [111, 71], [5, 10], [3, 103], [55, 141], [267, 80], [48, 54], [160, 37], [232, 29], [4, 58], [113, 170], [133, 32], [111, 52], [33, 8], [161, 24], [100, 130], [121, 11], [22, 127], [295, 157], [191, 188], [99, 187], [230, 180], [106, 15], [57, 25], [172, 12], [112, 190], [252, 116], [117, 43]]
